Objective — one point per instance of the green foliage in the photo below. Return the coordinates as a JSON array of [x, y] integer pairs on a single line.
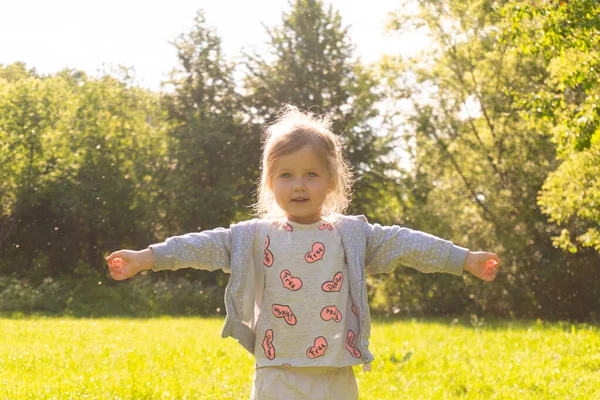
[[479, 162], [95, 296], [571, 195], [92, 165], [70, 170], [210, 147], [15, 72], [499, 122], [212, 154], [311, 65], [567, 36]]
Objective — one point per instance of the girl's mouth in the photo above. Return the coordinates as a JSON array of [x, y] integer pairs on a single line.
[[300, 200]]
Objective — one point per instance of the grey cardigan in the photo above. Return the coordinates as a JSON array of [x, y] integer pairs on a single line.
[[369, 248]]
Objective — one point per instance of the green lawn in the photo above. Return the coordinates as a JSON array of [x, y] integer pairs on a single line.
[[185, 358]]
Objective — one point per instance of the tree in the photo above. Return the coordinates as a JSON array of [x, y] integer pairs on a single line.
[[21, 123], [478, 165], [74, 188], [211, 151], [311, 65], [567, 36], [212, 154]]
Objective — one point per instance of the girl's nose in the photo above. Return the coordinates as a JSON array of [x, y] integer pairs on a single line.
[[298, 185]]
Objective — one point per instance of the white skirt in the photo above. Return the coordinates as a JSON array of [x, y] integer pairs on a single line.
[[304, 383]]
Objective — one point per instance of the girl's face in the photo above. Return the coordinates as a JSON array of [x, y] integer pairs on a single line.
[[300, 183]]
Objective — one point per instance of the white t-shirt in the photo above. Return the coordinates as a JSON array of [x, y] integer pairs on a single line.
[[307, 316]]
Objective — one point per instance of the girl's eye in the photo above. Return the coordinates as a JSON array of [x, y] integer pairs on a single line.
[[312, 174], [285, 175]]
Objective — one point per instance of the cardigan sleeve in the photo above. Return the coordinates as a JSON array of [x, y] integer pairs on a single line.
[[208, 250], [388, 246]]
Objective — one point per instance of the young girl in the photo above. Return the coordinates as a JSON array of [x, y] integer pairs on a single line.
[[297, 295]]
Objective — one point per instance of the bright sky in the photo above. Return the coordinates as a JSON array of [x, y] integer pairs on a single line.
[[50, 35]]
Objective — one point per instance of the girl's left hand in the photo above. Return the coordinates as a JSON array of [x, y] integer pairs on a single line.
[[482, 264]]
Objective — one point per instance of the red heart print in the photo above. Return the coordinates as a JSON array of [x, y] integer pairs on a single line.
[[284, 225], [290, 282], [318, 349], [335, 284], [268, 344], [318, 249], [327, 225], [350, 346], [285, 312], [354, 310], [268, 261], [331, 313]]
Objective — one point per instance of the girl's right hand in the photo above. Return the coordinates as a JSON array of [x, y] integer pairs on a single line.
[[124, 264], [482, 264]]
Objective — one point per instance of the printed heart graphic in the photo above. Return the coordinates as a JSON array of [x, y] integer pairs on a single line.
[[268, 261], [290, 282], [350, 346], [284, 225], [281, 311], [354, 310], [327, 225], [331, 313], [335, 284], [318, 249], [318, 349], [268, 344]]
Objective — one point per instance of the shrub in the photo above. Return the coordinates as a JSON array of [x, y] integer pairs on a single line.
[[92, 296]]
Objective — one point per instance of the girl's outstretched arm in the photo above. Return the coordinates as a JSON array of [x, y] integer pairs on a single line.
[[482, 264], [388, 246], [208, 250]]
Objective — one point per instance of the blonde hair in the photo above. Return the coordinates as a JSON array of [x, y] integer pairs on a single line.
[[292, 130]]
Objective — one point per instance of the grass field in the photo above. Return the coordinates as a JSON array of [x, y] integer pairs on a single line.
[[185, 358]]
